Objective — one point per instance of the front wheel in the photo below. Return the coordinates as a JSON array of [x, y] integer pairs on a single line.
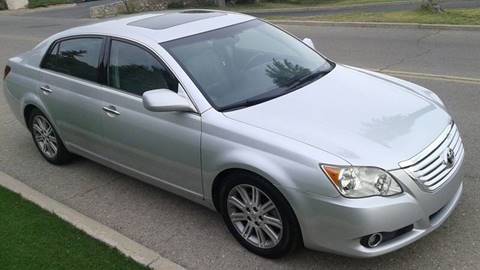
[[258, 216]]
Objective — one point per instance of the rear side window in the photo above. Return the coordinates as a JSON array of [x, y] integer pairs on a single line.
[[77, 57], [135, 70], [51, 59]]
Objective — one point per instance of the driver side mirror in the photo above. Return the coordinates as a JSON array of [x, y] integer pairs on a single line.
[[309, 43], [165, 100]]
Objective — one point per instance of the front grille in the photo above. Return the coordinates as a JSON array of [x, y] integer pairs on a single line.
[[431, 167]]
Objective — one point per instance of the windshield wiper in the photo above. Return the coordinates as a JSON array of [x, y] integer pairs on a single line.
[[294, 85], [251, 101], [306, 79]]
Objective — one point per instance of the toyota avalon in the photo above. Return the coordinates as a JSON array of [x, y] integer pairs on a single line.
[[236, 114]]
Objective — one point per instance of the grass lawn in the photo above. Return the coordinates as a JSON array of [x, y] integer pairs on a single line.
[[31, 238], [451, 16], [44, 3], [298, 4]]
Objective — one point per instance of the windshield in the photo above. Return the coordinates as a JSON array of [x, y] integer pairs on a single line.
[[246, 64]]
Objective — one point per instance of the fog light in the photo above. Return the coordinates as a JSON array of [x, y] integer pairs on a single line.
[[372, 240]]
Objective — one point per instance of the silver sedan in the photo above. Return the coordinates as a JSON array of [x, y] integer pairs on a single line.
[[236, 114]]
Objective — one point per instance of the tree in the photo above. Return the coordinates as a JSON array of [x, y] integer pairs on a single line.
[[284, 72], [432, 5]]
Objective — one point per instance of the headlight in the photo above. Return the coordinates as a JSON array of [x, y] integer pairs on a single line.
[[357, 182]]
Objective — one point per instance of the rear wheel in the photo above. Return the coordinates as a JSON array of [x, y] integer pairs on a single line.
[[47, 140], [258, 216]]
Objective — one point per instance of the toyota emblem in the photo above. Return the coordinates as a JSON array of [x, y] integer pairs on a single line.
[[449, 157]]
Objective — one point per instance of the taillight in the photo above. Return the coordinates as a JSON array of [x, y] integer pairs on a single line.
[[6, 71]]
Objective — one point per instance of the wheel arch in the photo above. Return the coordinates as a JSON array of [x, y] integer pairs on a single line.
[[218, 181], [31, 102], [243, 160], [27, 111]]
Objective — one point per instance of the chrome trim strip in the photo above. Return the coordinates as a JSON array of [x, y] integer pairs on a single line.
[[425, 152], [429, 168]]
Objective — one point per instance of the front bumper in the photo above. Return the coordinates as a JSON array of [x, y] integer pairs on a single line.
[[337, 224]]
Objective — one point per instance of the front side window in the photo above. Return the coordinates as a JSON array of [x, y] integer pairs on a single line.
[[246, 64], [135, 70], [77, 57]]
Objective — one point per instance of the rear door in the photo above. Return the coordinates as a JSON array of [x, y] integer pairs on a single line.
[[70, 89], [164, 146]]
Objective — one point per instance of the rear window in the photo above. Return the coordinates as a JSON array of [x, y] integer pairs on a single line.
[[77, 57]]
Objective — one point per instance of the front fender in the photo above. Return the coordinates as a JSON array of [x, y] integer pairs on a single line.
[[285, 163], [249, 161]]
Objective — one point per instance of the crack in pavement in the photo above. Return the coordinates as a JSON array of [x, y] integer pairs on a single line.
[[425, 50], [79, 194]]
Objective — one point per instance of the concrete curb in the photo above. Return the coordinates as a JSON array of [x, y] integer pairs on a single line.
[[128, 247], [379, 25]]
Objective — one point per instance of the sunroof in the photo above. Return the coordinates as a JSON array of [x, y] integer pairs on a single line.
[[172, 19]]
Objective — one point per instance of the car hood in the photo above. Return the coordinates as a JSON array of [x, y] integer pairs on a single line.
[[362, 118]]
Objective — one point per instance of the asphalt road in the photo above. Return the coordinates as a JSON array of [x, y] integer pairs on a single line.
[[195, 237]]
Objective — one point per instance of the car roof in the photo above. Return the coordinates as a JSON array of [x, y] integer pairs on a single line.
[[161, 27]]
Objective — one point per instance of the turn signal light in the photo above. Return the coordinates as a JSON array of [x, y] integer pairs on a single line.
[[333, 173]]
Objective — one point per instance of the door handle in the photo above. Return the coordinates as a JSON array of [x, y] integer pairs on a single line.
[[46, 89], [111, 110]]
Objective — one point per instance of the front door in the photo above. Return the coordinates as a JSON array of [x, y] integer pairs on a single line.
[[164, 146]]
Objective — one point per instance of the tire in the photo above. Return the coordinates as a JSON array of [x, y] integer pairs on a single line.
[[255, 219], [46, 139]]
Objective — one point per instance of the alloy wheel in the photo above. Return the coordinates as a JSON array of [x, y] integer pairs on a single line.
[[44, 136], [255, 216]]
